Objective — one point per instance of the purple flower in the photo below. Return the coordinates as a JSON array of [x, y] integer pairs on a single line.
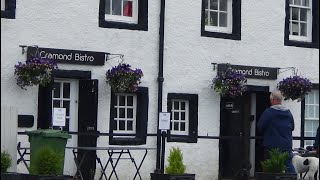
[[295, 87], [122, 78]]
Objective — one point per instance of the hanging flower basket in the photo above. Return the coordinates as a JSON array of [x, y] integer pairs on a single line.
[[295, 87], [122, 78], [35, 71], [230, 83]]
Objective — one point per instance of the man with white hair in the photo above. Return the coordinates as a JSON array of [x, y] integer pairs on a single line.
[[276, 124]]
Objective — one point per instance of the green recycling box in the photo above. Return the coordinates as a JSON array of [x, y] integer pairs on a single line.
[[55, 139]]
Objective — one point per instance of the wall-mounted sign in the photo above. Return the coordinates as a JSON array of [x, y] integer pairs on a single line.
[[229, 105], [69, 56], [164, 121], [59, 117], [253, 72]]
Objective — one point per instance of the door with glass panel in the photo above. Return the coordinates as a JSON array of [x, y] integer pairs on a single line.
[[65, 95]]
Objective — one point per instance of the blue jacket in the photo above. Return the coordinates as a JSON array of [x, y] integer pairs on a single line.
[[276, 123]]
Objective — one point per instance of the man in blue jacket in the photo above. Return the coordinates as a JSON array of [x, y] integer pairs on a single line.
[[276, 124]]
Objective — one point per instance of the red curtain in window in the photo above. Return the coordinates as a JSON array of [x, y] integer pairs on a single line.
[[127, 9]]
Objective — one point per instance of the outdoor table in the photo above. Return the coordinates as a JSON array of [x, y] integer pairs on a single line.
[[110, 151]]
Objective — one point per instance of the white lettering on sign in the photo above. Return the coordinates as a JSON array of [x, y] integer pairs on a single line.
[[79, 57], [67, 57], [59, 117], [261, 72], [245, 72]]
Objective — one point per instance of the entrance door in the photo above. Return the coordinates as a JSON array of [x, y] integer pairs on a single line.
[[235, 126], [65, 95]]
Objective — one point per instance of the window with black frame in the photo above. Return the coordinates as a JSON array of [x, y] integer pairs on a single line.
[[129, 117], [8, 9]]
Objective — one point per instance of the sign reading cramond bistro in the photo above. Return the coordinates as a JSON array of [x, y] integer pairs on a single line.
[[69, 56], [253, 72]]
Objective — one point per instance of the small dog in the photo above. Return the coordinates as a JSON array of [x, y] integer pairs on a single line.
[[301, 165], [313, 173]]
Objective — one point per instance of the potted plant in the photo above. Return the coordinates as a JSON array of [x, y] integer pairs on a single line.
[[35, 71], [47, 164], [176, 168], [230, 83], [122, 78], [275, 168], [295, 87], [5, 161]]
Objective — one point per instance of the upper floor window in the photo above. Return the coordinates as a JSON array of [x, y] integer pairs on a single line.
[[122, 11], [124, 14], [218, 15], [302, 23], [184, 117], [129, 117], [221, 19], [8, 9]]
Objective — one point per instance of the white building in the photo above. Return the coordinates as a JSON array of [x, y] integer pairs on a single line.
[[268, 35]]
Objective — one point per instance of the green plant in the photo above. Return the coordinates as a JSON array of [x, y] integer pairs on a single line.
[[276, 162], [5, 161], [175, 159], [47, 162]]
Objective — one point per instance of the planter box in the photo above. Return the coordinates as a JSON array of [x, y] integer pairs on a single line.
[[156, 176], [20, 176], [276, 176]]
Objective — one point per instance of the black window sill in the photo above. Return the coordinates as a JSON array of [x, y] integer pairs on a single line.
[[301, 44], [181, 138], [126, 141], [221, 35], [8, 14], [120, 25]]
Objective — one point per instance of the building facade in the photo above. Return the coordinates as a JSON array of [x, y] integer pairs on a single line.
[[180, 47]]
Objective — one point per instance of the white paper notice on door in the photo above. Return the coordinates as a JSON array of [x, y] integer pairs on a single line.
[[164, 120], [59, 117]]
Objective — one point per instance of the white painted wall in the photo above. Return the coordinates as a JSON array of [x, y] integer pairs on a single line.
[[187, 61]]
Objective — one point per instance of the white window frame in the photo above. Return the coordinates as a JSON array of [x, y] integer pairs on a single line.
[[117, 119], [121, 18], [307, 38], [186, 121], [314, 119], [227, 29]]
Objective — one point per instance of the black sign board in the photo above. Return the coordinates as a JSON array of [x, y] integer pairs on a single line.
[[69, 56], [253, 72]]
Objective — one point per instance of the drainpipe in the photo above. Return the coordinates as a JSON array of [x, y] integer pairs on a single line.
[[160, 81]]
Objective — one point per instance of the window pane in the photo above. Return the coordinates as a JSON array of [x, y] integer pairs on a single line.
[[214, 4], [56, 90], [176, 116], [311, 112], [308, 134], [108, 6], [223, 20], [206, 22], [183, 105], [66, 104], [56, 103], [290, 1], [316, 94], [66, 90], [121, 112], [127, 8], [295, 13], [295, 28], [182, 126], [122, 125], [317, 112], [213, 18], [303, 15], [303, 29], [176, 126], [116, 7], [130, 125], [297, 2], [129, 100], [129, 113], [176, 105], [305, 3], [122, 100], [223, 5], [308, 125], [183, 116]]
